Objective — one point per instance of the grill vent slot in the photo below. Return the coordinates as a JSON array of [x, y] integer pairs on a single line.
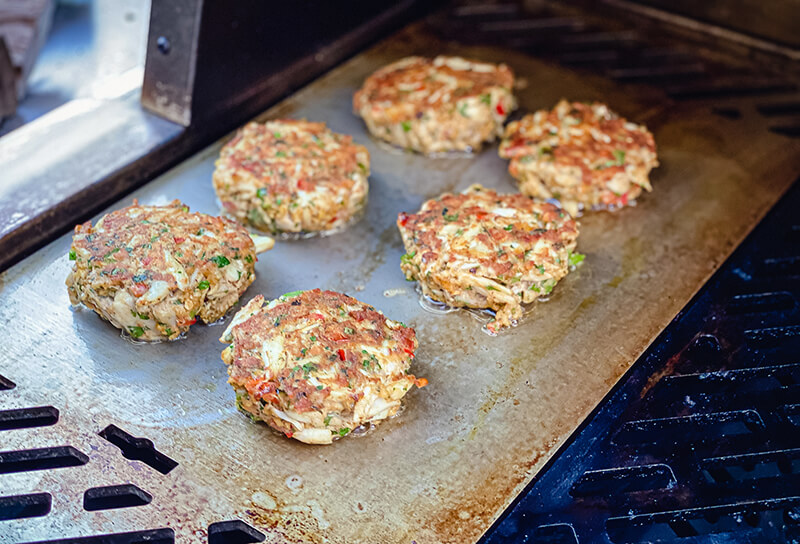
[[25, 418], [25, 506], [761, 302], [558, 533], [138, 449], [664, 526], [623, 480], [115, 496], [703, 427], [6, 384], [233, 532], [41, 459]]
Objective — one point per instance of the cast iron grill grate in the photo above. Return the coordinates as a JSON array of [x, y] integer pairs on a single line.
[[621, 47], [700, 441]]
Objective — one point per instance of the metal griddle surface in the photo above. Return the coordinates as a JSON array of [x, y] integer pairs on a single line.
[[496, 408]]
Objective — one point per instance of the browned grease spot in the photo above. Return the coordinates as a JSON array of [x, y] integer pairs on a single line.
[[632, 261], [468, 518]]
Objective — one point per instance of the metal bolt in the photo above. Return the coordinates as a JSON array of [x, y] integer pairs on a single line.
[[163, 45]]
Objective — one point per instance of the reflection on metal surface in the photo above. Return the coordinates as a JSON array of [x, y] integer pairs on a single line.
[[495, 409]]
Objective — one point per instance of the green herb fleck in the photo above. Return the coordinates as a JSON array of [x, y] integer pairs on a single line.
[[486, 99], [107, 257], [203, 285], [291, 294], [343, 431], [281, 154], [327, 420], [72, 255], [220, 260], [453, 217], [508, 227], [136, 332], [248, 258], [313, 338], [320, 388], [261, 192], [406, 257], [406, 126], [348, 330], [576, 258]]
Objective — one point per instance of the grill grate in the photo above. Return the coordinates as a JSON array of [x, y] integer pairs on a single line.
[[700, 441], [624, 49]]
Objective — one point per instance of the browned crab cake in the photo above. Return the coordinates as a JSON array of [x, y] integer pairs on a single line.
[[153, 270], [436, 105], [480, 249], [316, 365], [584, 155], [288, 176]]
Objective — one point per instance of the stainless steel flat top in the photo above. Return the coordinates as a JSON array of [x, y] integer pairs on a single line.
[[496, 408]]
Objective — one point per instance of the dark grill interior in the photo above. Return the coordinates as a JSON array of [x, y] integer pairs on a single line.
[[700, 441], [631, 49]]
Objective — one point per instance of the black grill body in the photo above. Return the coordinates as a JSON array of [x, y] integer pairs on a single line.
[[700, 441]]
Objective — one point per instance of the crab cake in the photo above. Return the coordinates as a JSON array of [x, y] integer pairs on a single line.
[[153, 270], [584, 155], [290, 176], [317, 365], [436, 105], [480, 249]]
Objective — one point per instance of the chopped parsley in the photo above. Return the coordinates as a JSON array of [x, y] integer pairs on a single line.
[[462, 109], [291, 294], [619, 160], [486, 98], [248, 258], [348, 330], [261, 192], [313, 338], [140, 316], [203, 285], [406, 257], [108, 256], [343, 431], [363, 167], [220, 260], [453, 217], [576, 258], [508, 227], [540, 268], [136, 332], [406, 126], [327, 420], [320, 388], [281, 154], [72, 255]]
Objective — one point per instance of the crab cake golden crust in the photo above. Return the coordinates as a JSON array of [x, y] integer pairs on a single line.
[[584, 155], [153, 270], [290, 176], [316, 365], [484, 250], [436, 105]]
